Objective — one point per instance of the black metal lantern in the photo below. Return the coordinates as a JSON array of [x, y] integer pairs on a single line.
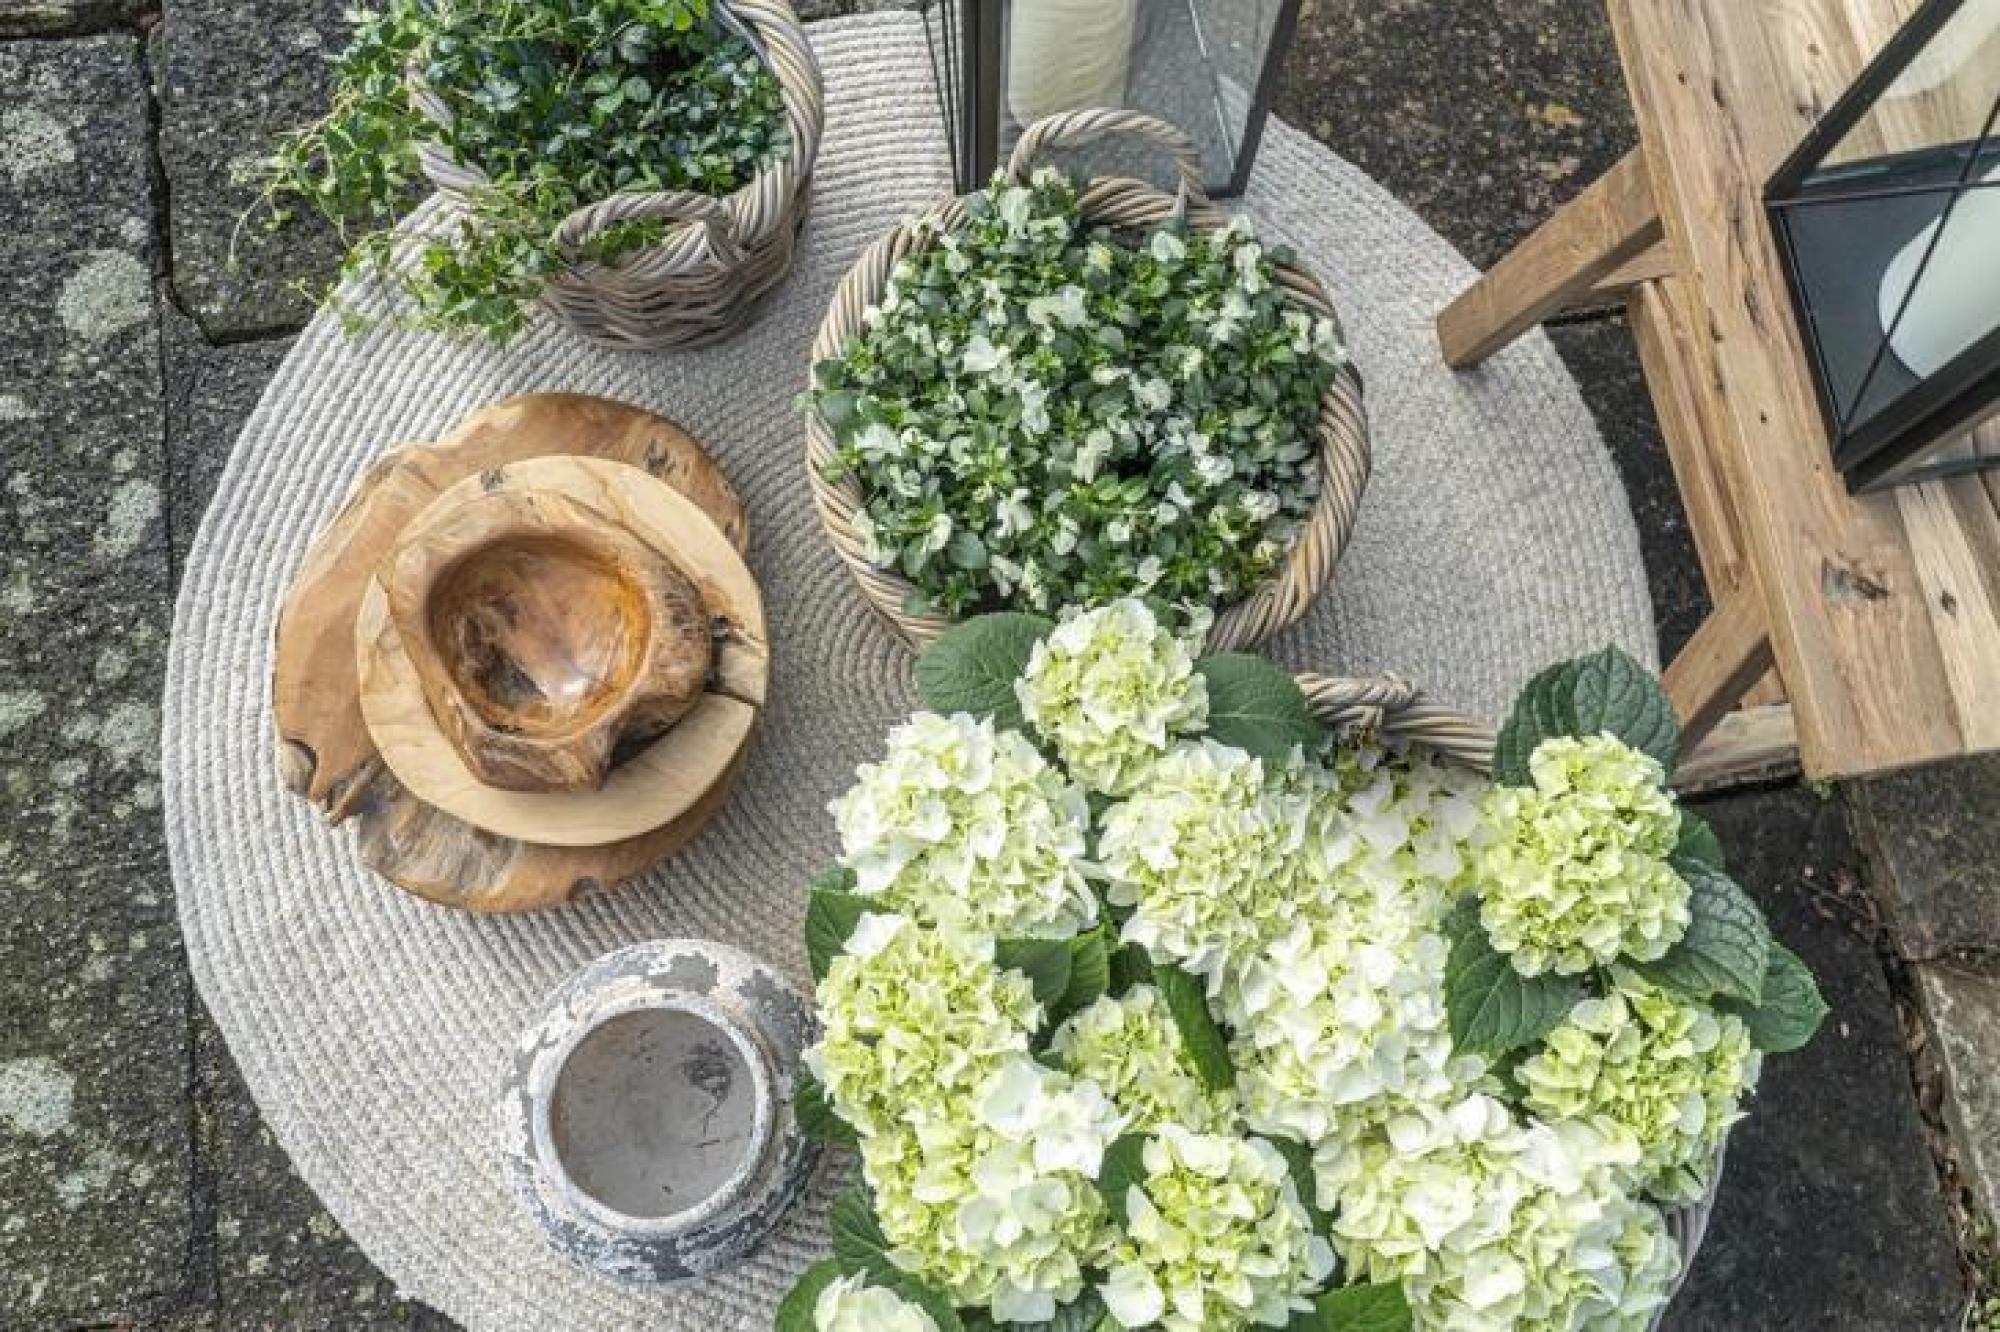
[[1888, 221], [1208, 66]]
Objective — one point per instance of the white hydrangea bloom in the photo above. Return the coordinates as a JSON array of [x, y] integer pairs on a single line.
[[1215, 1239], [968, 827], [1201, 852], [850, 1304], [1110, 689], [997, 1205], [914, 1020], [1576, 874], [1131, 1047], [1643, 1065], [1494, 1225]]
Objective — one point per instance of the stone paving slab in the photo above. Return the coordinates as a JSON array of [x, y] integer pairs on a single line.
[[1933, 840], [231, 78], [210, 393], [1830, 1216], [47, 18], [1963, 1008], [94, 1064]]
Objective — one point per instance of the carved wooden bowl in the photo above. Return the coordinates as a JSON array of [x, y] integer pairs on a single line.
[[509, 646], [547, 638]]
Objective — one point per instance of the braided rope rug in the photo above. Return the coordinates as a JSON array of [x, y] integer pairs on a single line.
[[372, 1027]]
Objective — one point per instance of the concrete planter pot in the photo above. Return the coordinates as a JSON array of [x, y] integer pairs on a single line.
[[647, 1118]]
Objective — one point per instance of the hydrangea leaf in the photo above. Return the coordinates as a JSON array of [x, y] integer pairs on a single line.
[[830, 918], [1791, 1009], [1494, 1008], [1607, 691], [817, 1118], [1256, 705], [1130, 966], [1383, 1307], [1698, 845], [1124, 1169], [1045, 962], [1299, 1160], [1207, 1048], [795, 1311], [972, 666], [1089, 972], [834, 878], [1727, 946], [859, 1246]]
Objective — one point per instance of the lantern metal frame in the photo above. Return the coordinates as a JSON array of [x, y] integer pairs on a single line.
[[967, 41], [1876, 452]]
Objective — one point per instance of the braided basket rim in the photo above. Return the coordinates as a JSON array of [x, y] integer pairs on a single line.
[[1388, 707], [1344, 450]]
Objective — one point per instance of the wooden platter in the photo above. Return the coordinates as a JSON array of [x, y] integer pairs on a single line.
[[659, 784], [324, 751]]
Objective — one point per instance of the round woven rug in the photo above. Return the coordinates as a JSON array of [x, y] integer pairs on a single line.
[[373, 1028]]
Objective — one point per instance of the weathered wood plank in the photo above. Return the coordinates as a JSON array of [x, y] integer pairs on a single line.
[[1595, 234], [1722, 90], [1727, 655], [1749, 745]]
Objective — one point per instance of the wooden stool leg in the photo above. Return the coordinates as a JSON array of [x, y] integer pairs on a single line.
[[1565, 261], [1727, 655]]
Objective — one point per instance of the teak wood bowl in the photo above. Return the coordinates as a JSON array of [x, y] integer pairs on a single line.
[[547, 638], [325, 753], [665, 779]]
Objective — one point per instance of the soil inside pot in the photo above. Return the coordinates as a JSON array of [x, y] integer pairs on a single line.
[[653, 1113]]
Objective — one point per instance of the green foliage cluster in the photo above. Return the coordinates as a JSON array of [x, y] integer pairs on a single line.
[[561, 103]]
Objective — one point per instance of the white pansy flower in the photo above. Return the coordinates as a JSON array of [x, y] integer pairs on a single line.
[[1110, 689], [1166, 247], [981, 357], [850, 1304], [1063, 308], [1153, 395], [965, 826]]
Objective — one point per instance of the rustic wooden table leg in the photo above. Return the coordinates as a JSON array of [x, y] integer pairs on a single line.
[[1727, 655], [1565, 262]]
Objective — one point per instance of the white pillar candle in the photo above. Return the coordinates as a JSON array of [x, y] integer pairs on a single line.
[[1064, 55], [1958, 301]]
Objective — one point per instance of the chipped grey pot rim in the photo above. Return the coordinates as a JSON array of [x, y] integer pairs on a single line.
[[546, 1070]]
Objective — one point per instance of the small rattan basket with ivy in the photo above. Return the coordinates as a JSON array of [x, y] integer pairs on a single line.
[[1130, 207], [699, 281]]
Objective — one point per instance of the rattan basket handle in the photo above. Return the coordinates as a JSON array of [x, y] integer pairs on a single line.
[[1072, 128], [588, 223], [1392, 708]]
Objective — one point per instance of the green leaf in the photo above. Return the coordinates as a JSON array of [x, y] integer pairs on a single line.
[[1130, 966], [834, 879], [1494, 1008], [1207, 1048], [830, 918], [1607, 691], [1124, 1168], [1299, 1161], [859, 1246], [1698, 845], [817, 1118], [972, 666], [1791, 1009], [1727, 946], [1377, 1308], [1089, 972], [1257, 706], [1045, 962], [795, 1311]]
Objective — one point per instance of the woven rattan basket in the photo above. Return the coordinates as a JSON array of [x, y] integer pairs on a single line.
[[699, 282], [1390, 709], [1132, 206]]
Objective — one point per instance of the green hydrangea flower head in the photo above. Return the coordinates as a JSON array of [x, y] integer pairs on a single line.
[[1110, 689], [997, 1205], [1215, 1239], [1493, 1224], [1575, 874], [1130, 1047], [850, 1304], [963, 826], [1642, 1064], [913, 1020], [1201, 852]]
